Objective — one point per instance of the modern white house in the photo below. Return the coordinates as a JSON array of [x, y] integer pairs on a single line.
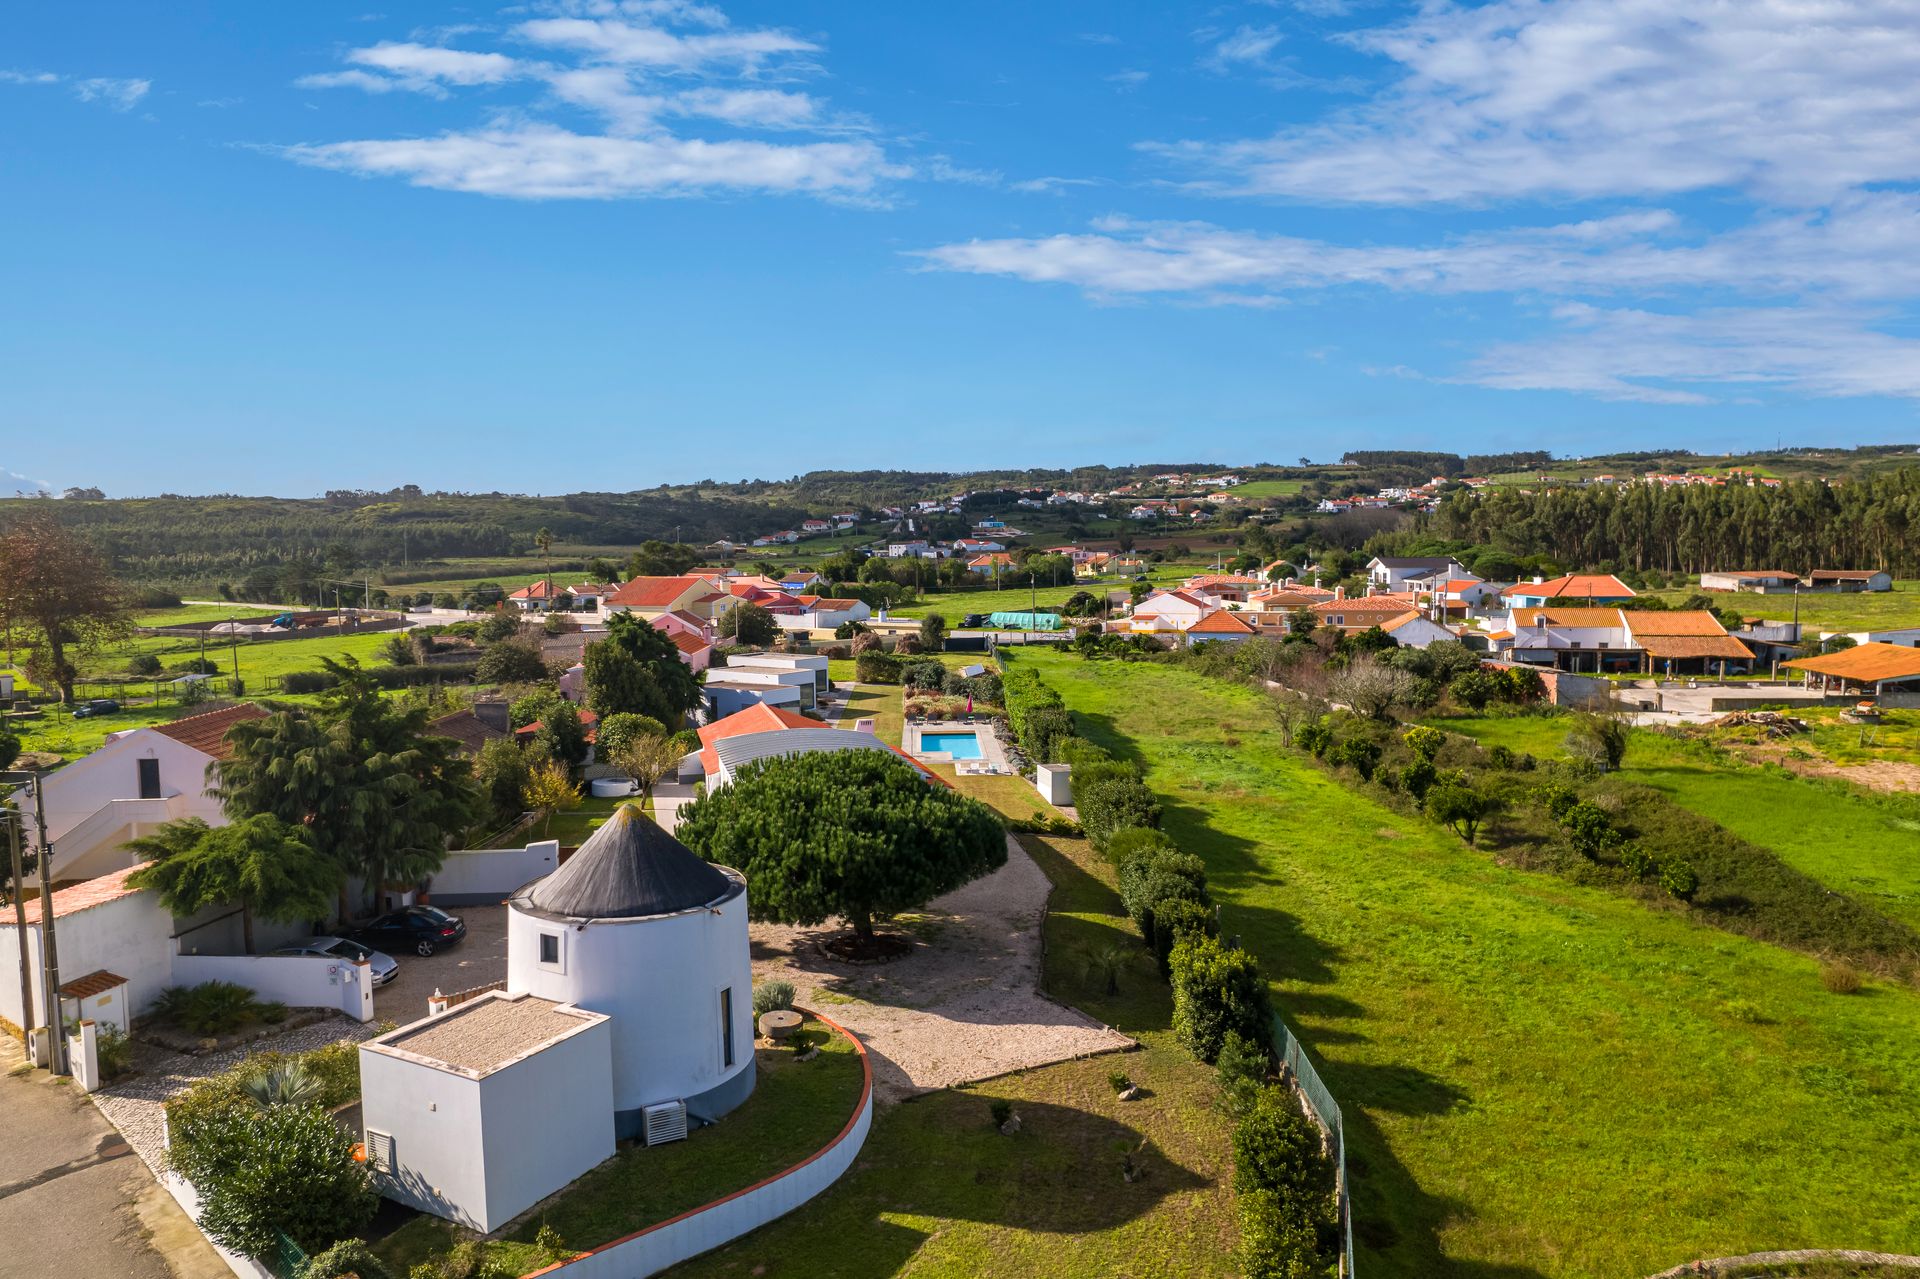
[[815, 663], [132, 784], [481, 1112], [636, 926], [1393, 572]]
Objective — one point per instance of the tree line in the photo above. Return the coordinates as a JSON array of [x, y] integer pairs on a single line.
[[1798, 526]]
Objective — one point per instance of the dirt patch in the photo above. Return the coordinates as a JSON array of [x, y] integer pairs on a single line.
[[1885, 775], [964, 1005]]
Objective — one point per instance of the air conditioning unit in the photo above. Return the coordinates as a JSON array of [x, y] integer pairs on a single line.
[[665, 1122]]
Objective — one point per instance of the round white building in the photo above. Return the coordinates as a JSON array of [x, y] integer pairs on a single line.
[[635, 925]]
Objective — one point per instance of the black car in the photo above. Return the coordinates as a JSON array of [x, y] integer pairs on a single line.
[[97, 706], [420, 929], [974, 619]]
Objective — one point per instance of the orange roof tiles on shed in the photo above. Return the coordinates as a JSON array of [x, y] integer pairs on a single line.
[[690, 643], [92, 984], [79, 897], [1600, 618], [1864, 663], [1684, 646], [1694, 622], [208, 733]]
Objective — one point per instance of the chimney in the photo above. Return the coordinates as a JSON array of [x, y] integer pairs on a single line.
[[1339, 592], [493, 714], [1538, 580]]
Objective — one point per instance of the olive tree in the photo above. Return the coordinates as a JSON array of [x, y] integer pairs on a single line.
[[853, 834]]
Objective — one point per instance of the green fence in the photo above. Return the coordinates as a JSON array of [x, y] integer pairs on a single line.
[[1294, 1059], [287, 1261]]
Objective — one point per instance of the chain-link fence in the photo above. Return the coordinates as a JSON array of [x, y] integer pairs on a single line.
[[1300, 1071]]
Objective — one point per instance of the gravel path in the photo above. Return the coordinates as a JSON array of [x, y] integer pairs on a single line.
[[964, 1006], [137, 1105]]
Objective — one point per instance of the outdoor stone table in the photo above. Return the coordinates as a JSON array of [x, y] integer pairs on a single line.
[[779, 1024]]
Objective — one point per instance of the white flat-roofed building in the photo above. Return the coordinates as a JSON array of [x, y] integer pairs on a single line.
[[479, 1113]]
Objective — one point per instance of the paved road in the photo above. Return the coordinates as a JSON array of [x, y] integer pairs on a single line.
[[74, 1199]]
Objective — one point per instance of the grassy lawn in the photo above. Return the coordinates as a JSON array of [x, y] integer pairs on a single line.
[[198, 613], [937, 1192], [1268, 488], [1859, 843], [1539, 1078], [1014, 597], [572, 828], [1876, 611], [796, 1108], [881, 703]]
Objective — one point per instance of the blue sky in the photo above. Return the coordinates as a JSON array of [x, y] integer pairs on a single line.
[[602, 245]]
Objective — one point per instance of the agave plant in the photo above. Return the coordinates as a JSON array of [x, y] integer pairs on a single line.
[[287, 1084]]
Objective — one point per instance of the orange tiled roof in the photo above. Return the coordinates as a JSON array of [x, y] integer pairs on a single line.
[[208, 733], [79, 897], [690, 643], [1691, 622], [92, 984], [758, 718], [1599, 618], [1864, 663], [1683, 646], [1576, 586], [657, 592], [1220, 623]]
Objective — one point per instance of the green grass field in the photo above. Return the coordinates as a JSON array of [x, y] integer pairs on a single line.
[[1539, 1079], [1858, 843], [198, 613], [1880, 610], [1268, 488], [1014, 596]]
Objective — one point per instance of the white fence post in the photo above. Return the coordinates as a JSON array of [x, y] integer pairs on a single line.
[[358, 1003], [84, 1049]]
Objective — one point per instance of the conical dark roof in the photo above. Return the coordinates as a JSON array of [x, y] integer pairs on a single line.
[[626, 869]]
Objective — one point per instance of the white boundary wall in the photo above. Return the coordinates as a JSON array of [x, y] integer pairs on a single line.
[[302, 981], [703, 1229], [487, 875]]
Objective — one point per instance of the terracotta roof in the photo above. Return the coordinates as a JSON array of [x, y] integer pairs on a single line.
[[1576, 586], [1681, 646], [758, 718], [587, 721], [691, 619], [690, 643], [1363, 604], [832, 605], [1690, 622], [92, 984], [1839, 575], [208, 733], [1395, 623], [79, 897], [466, 728], [1759, 572], [1224, 579], [1220, 623], [1290, 599], [1864, 663], [1599, 618], [655, 592], [533, 591]]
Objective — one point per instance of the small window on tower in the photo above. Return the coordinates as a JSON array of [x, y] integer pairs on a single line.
[[550, 949]]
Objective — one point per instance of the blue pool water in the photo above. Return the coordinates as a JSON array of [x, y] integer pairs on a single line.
[[958, 745]]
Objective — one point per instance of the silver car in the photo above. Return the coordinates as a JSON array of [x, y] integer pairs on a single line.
[[383, 965]]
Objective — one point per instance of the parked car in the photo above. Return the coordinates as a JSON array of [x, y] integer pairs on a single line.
[[974, 619], [344, 948], [97, 706], [420, 929]]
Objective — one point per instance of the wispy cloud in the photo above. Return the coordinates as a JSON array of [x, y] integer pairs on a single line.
[[636, 69], [1129, 79], [1245, 46], [119, 94]]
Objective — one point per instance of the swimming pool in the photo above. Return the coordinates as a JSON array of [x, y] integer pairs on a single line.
[[957, 745]]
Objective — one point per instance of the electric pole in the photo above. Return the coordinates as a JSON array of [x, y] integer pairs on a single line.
[[49, 951], [14, 819]]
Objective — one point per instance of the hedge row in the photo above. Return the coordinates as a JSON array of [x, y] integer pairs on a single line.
[[383, 677]]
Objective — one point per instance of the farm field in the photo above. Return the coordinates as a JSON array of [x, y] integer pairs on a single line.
[[1015, 597], [1268, 488], [1540, 1079], [1048, 1202], [188, 613], [1882, 610], [1858, 843]]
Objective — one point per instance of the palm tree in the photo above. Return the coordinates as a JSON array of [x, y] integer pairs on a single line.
[[544, 540], [1104, 964]]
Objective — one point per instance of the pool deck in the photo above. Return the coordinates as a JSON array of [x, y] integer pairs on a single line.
[[993, 757]]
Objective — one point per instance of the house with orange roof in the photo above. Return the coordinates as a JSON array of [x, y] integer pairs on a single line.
[[541, 596], [1223, 626], [1598, 640], [1167, 611], [1571, 589], [650, 597], [134, 782], [765, 732], [115, 945], [1225, 588]]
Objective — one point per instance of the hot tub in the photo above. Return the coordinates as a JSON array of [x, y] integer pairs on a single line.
[[613, 787]]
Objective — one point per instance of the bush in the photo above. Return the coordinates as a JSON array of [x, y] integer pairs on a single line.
[[1241, 1071], [115, 1051], [1455, 803], [621, 729], [771, 996], [875, 667], [1500, 755], [1424, 742], [211, 1008], [1216, 990], [1287, 1187], [1474, 689], [1840, 977], [1590, 830], [1356, 753], [1678, 878], [1112, 805], [511, 661], [1135, 841], [1078, 753], [348, 1259], [1275, 1243], [1418, 777], [144, 664], [283, 1170], [1314, 737]]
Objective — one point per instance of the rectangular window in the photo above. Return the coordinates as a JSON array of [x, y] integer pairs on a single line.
[[149, 778], [726, 1027], [550, 949]]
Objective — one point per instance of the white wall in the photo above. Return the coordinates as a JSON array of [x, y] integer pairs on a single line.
[[301, 981], [660, 980], [548, 1120], [731, 701], [434, 1118], [130, 936], [491, 874]]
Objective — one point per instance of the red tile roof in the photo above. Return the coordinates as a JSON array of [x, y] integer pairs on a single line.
[[690, 643], [1220, 623], [79, 897], [758, 718], [1576, 586], [657, 592], [92, 984], [1864, 663], [536, 591], [208, 733]]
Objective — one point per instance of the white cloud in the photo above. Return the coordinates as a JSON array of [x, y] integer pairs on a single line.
[[1793, 99], [1245, 46], [538, 162], [13, 482], [119, 94], [1131, 78], [647, 73]]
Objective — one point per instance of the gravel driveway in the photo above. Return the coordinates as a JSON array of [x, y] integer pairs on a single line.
[[480, 958], [964, 1006]]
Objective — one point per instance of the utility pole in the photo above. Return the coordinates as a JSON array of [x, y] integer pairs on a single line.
[[49, 951], [234, 633], [14, 819]]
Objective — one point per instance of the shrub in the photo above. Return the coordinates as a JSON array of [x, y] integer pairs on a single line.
[[511, 661], [1521, 684], [1597, 741], [1149, 879], [770, 996], [1557, 799], [1678, 878], [1455, 803], [863, 643], [115, 1051], [1174, 920], [1356, 753], [1424, 742], [1216, 990], [1500, 755], [1134, 841], [1078, 753], [1474, 689], [1418, 777], [1314, 737], [285, 1169], [1287, 1186], [1590, 830], [1638, 862], [875, 667], [1274, 1242], [348, 1259], [1241, 1071], [211, 1008], [1001, 1110], [144, 664], [1112, 805], [1840, 977]]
